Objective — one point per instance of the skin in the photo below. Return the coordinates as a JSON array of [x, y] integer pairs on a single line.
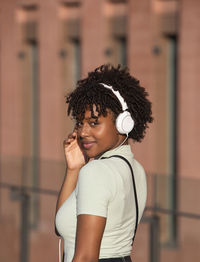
[[98, 135], [92, 137]]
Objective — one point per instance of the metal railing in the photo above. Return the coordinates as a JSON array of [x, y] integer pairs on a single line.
[[23, 194]]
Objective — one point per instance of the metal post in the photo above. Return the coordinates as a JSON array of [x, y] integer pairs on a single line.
[[154, 239], [24, 231]]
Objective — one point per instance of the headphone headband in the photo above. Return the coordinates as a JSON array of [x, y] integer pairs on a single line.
[[117, 94], [124, 122]]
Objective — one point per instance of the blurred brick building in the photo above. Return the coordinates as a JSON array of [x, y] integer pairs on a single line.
[[45, 47]]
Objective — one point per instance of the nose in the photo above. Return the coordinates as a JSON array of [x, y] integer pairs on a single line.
[[84, 130]]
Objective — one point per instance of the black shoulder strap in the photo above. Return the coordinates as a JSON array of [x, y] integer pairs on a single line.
[[134, 189]]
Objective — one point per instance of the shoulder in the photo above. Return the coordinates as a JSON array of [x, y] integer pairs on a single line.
[[95, 169], [94, 165], [138, 168], [96, 178]]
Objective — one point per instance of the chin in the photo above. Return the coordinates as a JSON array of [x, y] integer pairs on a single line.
[[88, 154], [91, 154]]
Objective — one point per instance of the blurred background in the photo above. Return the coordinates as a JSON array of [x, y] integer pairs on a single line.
[[45, 47]]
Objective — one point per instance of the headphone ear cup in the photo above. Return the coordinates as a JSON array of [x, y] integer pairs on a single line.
[[124, 123]]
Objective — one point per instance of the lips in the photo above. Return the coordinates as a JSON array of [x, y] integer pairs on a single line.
[[87, 144]]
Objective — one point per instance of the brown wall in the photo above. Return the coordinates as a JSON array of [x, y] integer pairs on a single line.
[[147, 23]]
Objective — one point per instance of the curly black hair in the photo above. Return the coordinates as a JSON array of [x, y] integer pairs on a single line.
[[90, 92]]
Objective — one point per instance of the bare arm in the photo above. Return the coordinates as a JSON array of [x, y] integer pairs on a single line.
[[89, 234], [75, 160], [68, 186]]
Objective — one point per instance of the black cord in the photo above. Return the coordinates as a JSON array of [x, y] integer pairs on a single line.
[[134, 189]]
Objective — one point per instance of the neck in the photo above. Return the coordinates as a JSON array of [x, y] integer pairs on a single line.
[[122, 141]]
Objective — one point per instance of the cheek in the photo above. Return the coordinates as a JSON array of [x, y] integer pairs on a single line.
[[111, 128], [107, 132]]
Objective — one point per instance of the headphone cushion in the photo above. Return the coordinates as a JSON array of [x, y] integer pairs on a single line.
[[124, 123]]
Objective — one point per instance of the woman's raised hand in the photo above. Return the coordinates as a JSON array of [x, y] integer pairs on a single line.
[[74, 156]]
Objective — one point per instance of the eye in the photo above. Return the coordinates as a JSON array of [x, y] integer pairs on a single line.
[[94, 123], [79, 124]]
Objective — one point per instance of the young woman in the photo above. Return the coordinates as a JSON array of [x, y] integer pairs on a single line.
[[100, 202]]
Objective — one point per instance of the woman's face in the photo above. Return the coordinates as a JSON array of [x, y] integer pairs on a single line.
[[98, 134]]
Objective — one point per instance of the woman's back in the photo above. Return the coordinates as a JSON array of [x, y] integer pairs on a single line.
[[105, 188]]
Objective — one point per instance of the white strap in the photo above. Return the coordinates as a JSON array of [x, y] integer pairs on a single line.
[[59, 249], [117, 94]]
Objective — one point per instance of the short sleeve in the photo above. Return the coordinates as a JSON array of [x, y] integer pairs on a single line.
[[94, 189]]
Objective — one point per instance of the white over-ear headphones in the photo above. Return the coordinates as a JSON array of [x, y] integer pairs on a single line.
[[124, 121]]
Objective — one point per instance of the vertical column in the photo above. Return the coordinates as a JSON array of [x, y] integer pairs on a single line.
[[189, 91], [10, 89], [52, 99], [10, 125], [92, 35], [140, 61], [70, 41], [115, 16]]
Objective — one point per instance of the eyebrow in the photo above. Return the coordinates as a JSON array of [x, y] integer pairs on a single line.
[[92, 117]]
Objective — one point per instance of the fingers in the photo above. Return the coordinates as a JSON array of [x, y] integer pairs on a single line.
[[71, 137]]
